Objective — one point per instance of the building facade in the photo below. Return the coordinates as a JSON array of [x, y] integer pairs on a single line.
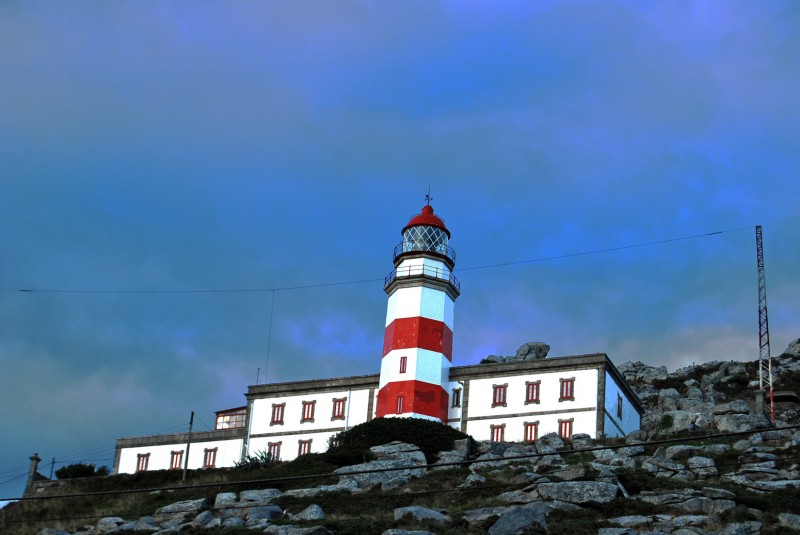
[[514, 401]]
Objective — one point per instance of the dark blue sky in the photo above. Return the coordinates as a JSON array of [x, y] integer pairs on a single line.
[[260, 145]]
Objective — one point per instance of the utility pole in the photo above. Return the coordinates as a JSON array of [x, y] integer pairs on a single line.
[[188, 444], [764, 357]]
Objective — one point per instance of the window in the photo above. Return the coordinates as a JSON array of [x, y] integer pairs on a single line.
[[567, 390], [176, 462], [619, 406], [565, 428], [274, 451], [403, 364], [277, 413], [142, 460], [308, 411], [498, 432], [532, 391], [399, 404], [231, 419], [304, 447], [209, 457], [531, 431], [456, 397], [499, 397], [339, 405]]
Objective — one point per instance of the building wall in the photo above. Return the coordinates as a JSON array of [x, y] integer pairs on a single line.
[[614, 425], [263, 431], [583, 408], [228, 453], [594, 404]]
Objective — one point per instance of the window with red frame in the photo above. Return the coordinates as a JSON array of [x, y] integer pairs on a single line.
[[176, 461], [531, 431], [142, 460], [619, 406], [498, 432], [456, 397], [403, 364], [209, 457], [399, 404], [274, 450], [532, 391], [499, 395], [565, 428], [308, 411], [339, 405], [277, 413], [304, 447], [567, 389]]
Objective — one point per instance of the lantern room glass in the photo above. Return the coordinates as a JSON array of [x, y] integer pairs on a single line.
[[425, 238]]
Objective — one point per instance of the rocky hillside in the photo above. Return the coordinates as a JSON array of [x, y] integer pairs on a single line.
[[706, 462], [713, 396]]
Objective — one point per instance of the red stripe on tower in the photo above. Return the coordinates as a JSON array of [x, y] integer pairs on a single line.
[[424, 333], [419, 388]]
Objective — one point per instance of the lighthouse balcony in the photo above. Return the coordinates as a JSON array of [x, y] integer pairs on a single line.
[[424, 246], [422, 270]]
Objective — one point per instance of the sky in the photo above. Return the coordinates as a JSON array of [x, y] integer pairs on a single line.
[[195, 196]]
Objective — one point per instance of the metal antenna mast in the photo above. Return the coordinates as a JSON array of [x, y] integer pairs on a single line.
[[764, 358]]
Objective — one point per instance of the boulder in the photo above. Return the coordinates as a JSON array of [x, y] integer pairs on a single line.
[[179, 510], [532, 351], [312, 512], [146, 524], [789, 520], [702, 467], [680, 451], [578, 491], [668, 399], [481, 515], [421, 514], [738, 406], [520, 519], [733, 423], [399, 451], [109, 523], [406, 532], [258, 497], [265, 512]]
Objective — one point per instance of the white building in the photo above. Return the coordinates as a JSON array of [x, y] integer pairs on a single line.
[[514, 401]]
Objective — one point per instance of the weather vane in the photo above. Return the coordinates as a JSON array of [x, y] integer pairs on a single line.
[[428, 197]]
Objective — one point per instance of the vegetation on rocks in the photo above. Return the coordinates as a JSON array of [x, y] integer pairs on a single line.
[[76, 470]]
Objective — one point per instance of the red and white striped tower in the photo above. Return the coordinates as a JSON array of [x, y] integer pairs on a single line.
[[418, 341]]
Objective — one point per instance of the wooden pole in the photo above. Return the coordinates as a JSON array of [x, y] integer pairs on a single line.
[[188, 444]]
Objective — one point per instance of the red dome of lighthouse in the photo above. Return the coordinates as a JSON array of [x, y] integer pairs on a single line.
[[427, 218]]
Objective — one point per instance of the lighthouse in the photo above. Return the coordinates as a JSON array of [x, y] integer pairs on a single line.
[[418, 340]]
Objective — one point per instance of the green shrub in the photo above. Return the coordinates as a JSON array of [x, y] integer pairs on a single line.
[[261, 459], [666, 422], [431, 437], [72, 471]]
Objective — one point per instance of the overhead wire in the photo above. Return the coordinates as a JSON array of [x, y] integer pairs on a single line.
[[322, 499], [361, 281], [659, 442]]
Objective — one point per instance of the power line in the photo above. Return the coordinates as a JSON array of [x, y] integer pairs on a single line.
[[606, 250], [333, 498], [432, 465], [361, 281]]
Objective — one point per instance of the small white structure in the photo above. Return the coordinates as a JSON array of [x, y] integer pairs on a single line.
[[515, 401]]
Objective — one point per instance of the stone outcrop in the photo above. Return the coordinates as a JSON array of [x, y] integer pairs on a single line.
[[527, 351]]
